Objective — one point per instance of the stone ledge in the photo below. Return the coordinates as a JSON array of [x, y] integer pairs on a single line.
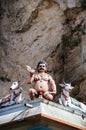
[[44, 108]]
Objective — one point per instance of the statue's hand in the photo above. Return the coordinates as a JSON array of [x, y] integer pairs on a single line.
[[37, 77], [30, 69]]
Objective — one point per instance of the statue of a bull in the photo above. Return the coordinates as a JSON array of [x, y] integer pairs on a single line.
[[14, 97], [67, 100]]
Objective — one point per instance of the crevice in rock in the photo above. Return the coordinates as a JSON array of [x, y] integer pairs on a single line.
[[28, 23], [30, 20], [5, 79], [1, 10]]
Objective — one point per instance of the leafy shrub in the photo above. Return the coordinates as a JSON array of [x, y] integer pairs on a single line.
[[68, 41], [83, 4], [65, 40]]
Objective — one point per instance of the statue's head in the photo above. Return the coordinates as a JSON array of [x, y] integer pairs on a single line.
[[14, 85], [42, 66]]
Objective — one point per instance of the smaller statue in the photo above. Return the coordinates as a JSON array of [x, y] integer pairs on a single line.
[[67, 100], [44, 85], [14, 97]]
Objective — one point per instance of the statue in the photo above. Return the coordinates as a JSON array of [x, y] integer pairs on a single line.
[[44, 85], [14, 97], [67, 100]]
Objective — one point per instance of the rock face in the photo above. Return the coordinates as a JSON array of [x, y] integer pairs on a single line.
[[32, 30]]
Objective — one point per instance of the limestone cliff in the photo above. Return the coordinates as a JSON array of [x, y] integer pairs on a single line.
[[53, 30]]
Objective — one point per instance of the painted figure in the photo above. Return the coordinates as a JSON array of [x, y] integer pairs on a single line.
[[67, 100], [14, 97], [44, 85]]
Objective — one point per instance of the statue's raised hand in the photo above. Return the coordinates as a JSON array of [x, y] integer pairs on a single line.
[[30, 69]]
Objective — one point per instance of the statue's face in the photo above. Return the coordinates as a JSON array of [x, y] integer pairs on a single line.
[[14, 85], [42, 68]]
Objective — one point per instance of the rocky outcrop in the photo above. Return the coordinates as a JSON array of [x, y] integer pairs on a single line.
[[33, 30]]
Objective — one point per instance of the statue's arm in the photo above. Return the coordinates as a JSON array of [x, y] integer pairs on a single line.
[[31, 78], [52, 85]]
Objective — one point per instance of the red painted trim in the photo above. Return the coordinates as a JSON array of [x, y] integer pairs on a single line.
[[63, 122]]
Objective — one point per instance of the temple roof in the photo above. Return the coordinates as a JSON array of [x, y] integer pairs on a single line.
[[44, 108]]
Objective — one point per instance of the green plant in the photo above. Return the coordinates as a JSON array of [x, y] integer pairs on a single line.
[[68, 41], [65, 40], [75, 42], [74, 38], [83, 4]]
